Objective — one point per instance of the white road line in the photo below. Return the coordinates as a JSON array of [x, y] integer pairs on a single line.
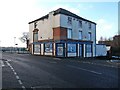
[[10, 66], [15, 73], [101, 64], [2, 64], [23, 87], [13, 70], [20, 82], [56, 58], [8, 63], [17, 77], [107, 65], [84, 69]]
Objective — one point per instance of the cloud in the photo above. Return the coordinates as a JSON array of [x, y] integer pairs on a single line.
[[104, 28], [85, 6], [15, 15], [104, 25], [14, 18]]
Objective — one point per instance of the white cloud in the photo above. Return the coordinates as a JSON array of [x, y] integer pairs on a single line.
[[104, 28], [15, 15], [67, 7], [85, 6]]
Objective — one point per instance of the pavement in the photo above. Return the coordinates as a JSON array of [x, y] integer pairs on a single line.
[[28, 71]]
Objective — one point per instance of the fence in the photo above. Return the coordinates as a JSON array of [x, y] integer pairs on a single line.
[[14, 50]]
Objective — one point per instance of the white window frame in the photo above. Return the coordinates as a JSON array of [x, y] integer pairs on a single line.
[[89, 36], [69, 33], [88, 48], [36, 48], [35, 25], [80, 24], [90, 25], [35, 35], [80, 35], [69, 21]]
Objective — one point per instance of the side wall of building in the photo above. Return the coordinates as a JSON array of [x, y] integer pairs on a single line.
[[45, 27], [76, 29]]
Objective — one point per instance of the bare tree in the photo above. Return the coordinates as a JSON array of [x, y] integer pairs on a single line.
[[25, 38]]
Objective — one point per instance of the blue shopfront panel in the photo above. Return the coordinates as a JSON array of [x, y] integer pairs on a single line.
[[60, 49], [71, 49]]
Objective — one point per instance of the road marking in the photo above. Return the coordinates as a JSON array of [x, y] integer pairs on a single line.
[[87, 62], [56, 58], [101, 64], [52, 62], [8, 60], [107, 65], [20, 82], [84, 69], [13, 70], [17, 77], [8, 63], [15, 73], [2, 63], [23, 87]]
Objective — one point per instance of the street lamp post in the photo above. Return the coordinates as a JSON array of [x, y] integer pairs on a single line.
[[16, 48], [14, 43]]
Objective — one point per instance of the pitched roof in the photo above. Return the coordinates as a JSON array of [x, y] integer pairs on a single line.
[[65, 12], [43, 17]]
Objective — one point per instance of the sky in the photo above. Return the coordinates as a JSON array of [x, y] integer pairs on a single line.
[[15, 15]]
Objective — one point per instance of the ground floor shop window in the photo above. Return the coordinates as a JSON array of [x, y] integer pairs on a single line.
[[48, 47], [37, 48], [71, 48], [88, 48], [60, 49]]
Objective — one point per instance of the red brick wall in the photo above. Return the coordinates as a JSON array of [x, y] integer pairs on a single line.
[[59, 33]]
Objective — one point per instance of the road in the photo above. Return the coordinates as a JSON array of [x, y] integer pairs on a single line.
[[29, 71]]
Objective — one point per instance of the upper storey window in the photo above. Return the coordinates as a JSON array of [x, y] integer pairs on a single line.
[[90, 26], [69, 33], [69, 21], [80, 24], [89, 36], [80, 35], [35, 24], [35, 35]]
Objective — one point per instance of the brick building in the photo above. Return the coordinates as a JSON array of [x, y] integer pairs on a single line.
[[62, 33]]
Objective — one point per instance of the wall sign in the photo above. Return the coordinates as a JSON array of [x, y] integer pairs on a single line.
[[48, 47]]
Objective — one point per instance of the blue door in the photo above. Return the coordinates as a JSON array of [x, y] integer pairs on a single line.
[[60, 49]]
